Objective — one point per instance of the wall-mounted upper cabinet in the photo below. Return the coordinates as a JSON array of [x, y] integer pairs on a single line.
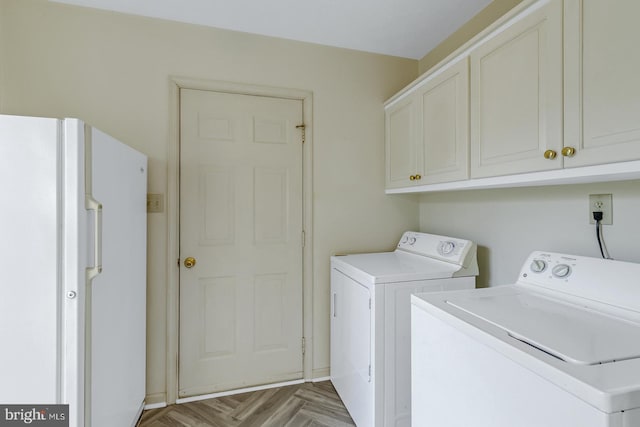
[[427, 132], [602, 86], [551, 97], [516, 96]]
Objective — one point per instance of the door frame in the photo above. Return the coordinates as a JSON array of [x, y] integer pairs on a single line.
[[173, 215]]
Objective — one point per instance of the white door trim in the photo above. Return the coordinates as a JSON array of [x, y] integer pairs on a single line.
[[173, 216]]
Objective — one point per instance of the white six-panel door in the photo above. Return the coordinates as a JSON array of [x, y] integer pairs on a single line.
[[241, 220]]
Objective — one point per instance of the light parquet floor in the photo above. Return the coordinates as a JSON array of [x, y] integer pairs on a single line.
[[300, 405]]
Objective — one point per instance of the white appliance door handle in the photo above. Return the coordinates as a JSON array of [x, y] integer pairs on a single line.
[[335, 301], [95, 206]]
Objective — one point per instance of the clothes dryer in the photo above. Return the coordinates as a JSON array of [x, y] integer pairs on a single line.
[[370, 320]]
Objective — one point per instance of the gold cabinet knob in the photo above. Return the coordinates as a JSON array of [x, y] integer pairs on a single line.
[[418, 176], [189, 262], [412, 178], [550, 154], [568, 151]]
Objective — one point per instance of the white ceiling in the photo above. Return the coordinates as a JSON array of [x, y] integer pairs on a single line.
[[405, 28]]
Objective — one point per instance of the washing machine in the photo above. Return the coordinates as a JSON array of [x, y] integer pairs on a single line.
[[559, 348], [370, 320]]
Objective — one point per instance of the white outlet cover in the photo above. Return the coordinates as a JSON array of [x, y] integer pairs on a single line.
[[601, 203]]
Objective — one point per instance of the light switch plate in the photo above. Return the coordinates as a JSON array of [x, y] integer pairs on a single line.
[[155, 203]]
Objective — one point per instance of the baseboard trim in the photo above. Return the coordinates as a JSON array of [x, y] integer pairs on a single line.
[[155, 406], [236, 391], [320, 373], [317, 380]]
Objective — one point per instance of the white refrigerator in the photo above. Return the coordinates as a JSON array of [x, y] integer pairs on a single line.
[[72, 270]]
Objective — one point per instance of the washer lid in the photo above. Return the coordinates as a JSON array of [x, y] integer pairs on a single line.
[[569, 332], [390, 267]]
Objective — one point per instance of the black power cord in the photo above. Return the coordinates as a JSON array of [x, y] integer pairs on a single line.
[[597, 217]]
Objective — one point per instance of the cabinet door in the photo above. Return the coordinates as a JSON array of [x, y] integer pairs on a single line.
[[401, 143], [516, 95], [445, 125], [602, 94]]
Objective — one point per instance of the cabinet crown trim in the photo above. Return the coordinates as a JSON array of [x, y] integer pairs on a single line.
[[514, 15]]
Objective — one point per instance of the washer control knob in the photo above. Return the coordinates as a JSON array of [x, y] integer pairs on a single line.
[[538, 266], [561, 271], [412, 240], [446, 247]]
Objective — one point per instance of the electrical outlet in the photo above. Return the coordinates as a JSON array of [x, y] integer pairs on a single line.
[[155, 203], [601, 203]]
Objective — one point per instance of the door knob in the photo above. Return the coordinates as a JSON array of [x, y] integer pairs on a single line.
[[550, 154], [568, 151], [189, 262]]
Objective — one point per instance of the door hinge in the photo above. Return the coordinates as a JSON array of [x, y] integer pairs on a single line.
[[303, 127], [304, 238], [304, 342], [369, 373], [178, 262], [369, 303]]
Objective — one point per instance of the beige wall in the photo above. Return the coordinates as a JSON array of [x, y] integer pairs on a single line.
[[113, 71], [3, 38], [479, 22], [508, 224]]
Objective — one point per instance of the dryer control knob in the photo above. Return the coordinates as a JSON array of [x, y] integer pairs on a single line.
[[446, 247], [561, 271], [538, 266]]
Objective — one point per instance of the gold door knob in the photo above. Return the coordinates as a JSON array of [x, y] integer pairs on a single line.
[[418, 176], [189, 262], [412, 178], [568, 151], [550, 154]]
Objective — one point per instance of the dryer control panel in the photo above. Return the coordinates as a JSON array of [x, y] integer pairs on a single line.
[[449, 249]]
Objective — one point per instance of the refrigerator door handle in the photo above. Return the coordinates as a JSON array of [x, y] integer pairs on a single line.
[[95, 206]]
